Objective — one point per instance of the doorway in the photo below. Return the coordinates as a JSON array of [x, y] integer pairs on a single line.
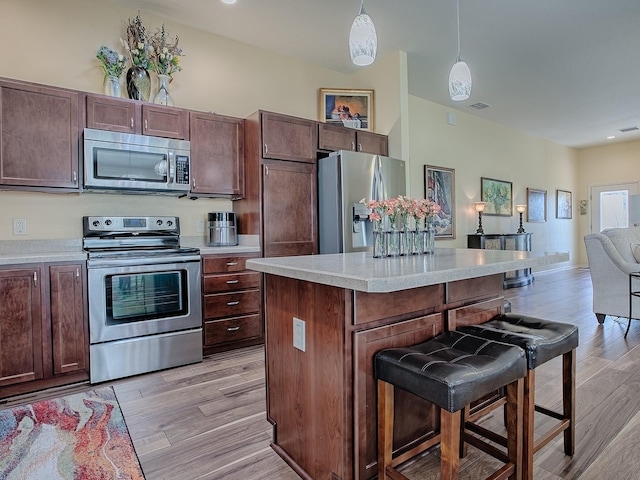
[[610, 205]]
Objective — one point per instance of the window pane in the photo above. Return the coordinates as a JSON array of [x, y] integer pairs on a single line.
[[614, 209]]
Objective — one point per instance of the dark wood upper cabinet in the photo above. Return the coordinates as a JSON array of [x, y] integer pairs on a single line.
[[336, 137], [288, 138], [217, 155], [39, 136], [131, 116], [369, 142]]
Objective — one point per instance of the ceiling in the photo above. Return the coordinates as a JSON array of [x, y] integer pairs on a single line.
[[564, 70]]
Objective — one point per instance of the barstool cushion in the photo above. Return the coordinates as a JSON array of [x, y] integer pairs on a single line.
[[542, 340], [452, 369]]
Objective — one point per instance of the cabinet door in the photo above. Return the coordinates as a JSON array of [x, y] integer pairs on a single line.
[[167, 122], [217, 155], [68, 323], [289, 203], [415, 418], [288, 138], [336, 137], [21, 341], [370, 142], [39, 134], [109, 113]]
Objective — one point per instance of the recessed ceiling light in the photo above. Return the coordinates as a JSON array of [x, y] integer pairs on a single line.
[[611, 137], [228, 2]]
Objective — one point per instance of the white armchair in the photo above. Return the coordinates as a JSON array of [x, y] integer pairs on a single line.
[[613, 255]]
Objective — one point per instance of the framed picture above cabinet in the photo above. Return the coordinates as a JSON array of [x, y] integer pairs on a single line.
[[536, 205], [498, 196], [350, 108]]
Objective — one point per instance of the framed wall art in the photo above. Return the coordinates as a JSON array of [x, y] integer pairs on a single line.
[[563, 204], [498, 197], [351, 108], [440, 187], [536, 205]]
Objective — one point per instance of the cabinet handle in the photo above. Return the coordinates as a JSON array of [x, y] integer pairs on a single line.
[[77, 272], [359, 147], [75, 176], [35, 278], [266, 170], [231, 304], [146, 126], [132, 122], [194, 183], [266, 148], [231, 264], [353, 145], [233, 329], [231, 282]]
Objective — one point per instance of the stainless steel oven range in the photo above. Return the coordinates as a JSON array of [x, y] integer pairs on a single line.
[[145, 310]]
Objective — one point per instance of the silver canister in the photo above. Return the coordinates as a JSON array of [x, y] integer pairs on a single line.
[[222, 229]]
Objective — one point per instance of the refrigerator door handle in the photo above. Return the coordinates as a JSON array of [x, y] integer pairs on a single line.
[[379, 189]]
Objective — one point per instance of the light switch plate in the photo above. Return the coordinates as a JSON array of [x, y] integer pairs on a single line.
[[299, 334]]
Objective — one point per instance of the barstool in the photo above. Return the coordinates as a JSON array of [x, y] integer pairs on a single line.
[[542, 340], [451, 371]]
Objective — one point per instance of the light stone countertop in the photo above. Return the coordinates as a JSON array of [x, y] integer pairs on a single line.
[[16, 252], [362, 272]]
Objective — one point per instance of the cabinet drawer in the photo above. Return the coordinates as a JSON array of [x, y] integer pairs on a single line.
[[220, 305], [232, 329], [224, 264], [230, 282]]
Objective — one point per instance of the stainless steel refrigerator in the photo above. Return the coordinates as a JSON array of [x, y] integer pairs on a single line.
[[344, 179]]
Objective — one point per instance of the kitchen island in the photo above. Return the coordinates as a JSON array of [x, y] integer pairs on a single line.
[[327, 316]]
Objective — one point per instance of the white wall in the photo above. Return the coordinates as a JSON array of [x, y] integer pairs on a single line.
[[478, 148]]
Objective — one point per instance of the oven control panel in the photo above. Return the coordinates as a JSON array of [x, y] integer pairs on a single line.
[[131, 224]]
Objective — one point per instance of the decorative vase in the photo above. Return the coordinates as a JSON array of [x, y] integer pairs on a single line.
[[112, 86], [379, 241], [393, 241], [163, 97], [429, 242], [138, 84]]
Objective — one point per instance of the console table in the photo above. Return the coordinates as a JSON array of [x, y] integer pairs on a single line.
[[506, 241]]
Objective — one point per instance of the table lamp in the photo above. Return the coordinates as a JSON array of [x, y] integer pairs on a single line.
[[520, 209], [480, 208]]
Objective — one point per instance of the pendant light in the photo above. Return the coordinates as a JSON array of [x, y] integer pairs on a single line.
[[460, 75], [363, 41]]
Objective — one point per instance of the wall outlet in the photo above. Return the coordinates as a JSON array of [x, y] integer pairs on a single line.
[[19, 226], [299, 334], [200, 226]]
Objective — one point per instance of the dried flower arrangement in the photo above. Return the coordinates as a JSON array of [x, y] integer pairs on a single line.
[[165, 54], [111, 61], [137, 44]]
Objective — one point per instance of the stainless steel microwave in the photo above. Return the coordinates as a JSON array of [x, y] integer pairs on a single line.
[[130, 163]]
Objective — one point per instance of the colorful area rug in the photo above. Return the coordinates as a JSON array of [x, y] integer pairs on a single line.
[[77, 437]]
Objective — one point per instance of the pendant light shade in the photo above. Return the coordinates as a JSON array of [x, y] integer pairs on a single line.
[[459, 81], [363, 41], [460, 75]]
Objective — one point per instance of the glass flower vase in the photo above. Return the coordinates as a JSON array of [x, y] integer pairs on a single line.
[[379, 244], [429, 241], [393, 241], [112, 86], [163, 97], [138, 83]]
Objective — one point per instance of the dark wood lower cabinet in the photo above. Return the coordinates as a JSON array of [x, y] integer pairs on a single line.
[[325, 393], [44, 338]]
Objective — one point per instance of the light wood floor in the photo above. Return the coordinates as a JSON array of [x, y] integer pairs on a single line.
[[207, 421]]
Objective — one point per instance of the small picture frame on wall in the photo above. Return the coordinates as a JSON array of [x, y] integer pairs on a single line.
[[350, 108], [498, 197], [563, 204], [440, 187], [536, 205]]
